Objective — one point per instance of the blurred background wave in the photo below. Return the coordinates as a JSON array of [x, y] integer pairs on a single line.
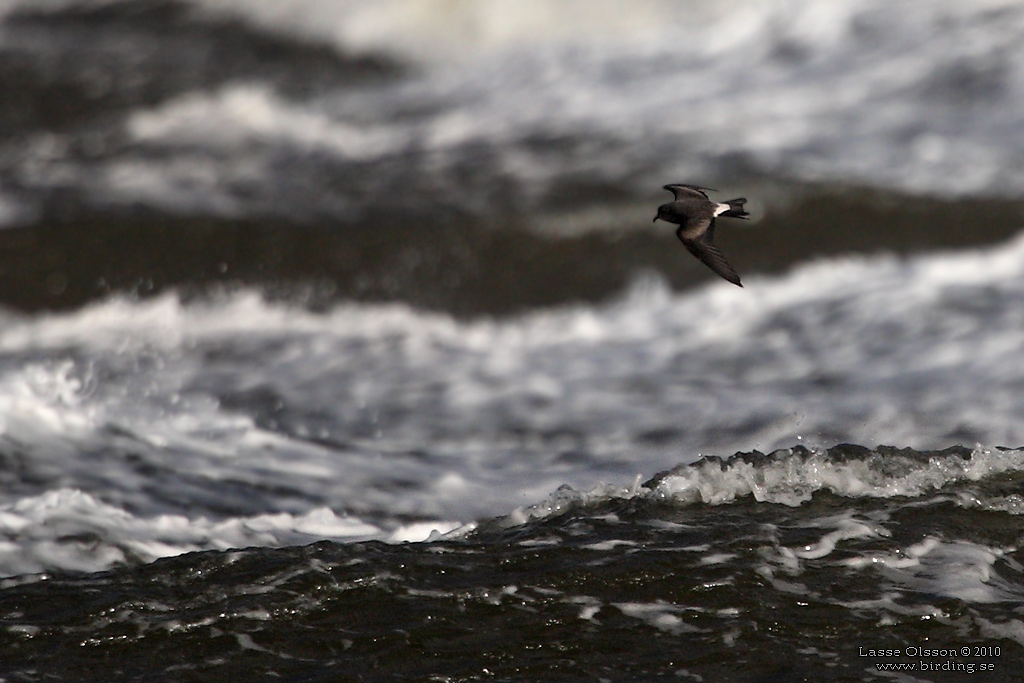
[[488, 157]]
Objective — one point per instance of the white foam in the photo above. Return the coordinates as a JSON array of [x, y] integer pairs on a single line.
[[611, 544], [238, 116], [792, 479], [69, 530], [163, 407], [429, 531], [847, 528], [438, 30], [661, 615], [955, 569]]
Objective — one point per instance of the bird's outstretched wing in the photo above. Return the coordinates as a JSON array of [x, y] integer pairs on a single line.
[[704, 248], [681, 190]]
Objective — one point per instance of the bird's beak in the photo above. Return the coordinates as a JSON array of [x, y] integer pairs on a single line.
[[655, 220]]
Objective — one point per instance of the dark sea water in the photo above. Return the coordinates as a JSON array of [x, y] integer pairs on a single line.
[[337, 342]]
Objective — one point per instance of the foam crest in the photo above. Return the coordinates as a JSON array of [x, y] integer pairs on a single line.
[[565, 499], [70, 530], [793, 477]]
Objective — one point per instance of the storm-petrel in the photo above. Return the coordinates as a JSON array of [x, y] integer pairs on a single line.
[[695, 215]]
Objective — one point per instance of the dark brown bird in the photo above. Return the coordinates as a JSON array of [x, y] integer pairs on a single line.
[[694, 212]]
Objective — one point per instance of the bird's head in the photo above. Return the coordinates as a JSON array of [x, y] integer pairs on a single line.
[[663, 211]]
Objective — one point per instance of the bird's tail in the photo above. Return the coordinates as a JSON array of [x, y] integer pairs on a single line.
[[736, 209]]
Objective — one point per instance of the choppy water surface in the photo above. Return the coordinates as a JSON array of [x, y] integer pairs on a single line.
[[714, 570], [338, 343]]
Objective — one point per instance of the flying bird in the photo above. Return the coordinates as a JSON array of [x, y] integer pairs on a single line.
[[694, 212]]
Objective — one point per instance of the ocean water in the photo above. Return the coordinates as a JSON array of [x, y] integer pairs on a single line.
[[337, 343]]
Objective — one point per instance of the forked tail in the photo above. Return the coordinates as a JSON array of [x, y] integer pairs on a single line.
[[736, 208]]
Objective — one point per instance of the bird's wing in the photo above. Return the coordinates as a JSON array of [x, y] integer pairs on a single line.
[[681, 190], [704, 248], [695, 227]]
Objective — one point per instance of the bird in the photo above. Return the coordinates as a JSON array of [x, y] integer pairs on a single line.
[[695, 213]]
